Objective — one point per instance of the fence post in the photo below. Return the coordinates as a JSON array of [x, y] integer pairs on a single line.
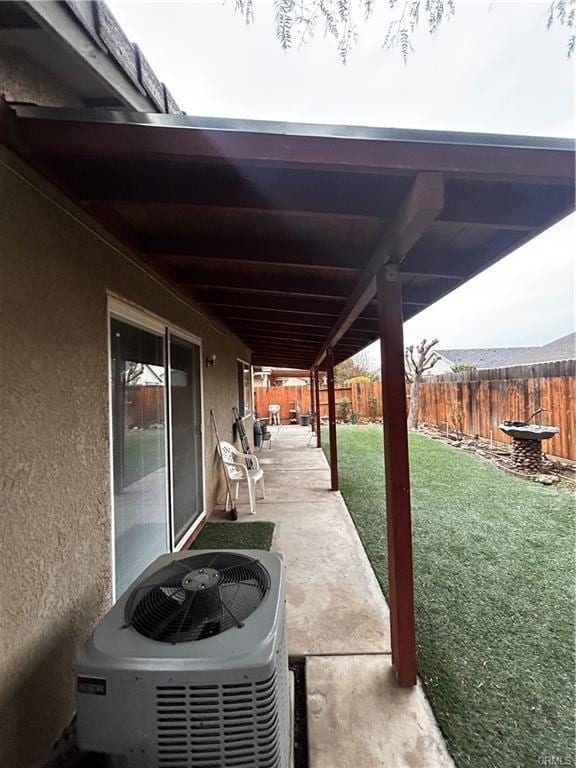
[[332, 423]]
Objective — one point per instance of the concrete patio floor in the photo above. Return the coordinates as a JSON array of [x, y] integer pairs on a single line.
[[338, 621]]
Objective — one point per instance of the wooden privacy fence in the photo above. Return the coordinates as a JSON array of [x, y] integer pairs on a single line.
[[488, 397], [144, 406], [364, 396], [484, 398], [285, 397]]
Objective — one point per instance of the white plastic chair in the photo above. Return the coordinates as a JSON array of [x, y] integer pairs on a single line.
[[238, 471], [274, 413]]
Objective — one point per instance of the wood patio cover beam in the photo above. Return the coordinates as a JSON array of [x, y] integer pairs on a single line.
[[322, 325], [190, 267], [423, 204], [184, 139], [484, 216], [265, 358], [242, 284], [279, 331]]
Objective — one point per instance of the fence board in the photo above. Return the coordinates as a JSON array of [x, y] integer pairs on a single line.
[[286, 397], [487, 403], [486, 397], [144, 406]]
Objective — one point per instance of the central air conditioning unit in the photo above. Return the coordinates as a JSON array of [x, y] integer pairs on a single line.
[[189, 669]]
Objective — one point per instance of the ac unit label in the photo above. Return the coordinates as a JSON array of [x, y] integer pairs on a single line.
[[94, 685]]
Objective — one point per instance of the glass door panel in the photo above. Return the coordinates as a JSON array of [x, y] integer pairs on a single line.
[[186, 432], [139, 450]]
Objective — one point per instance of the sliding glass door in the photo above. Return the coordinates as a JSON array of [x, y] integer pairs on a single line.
[[186, 435], [158, 474], [139, 450]]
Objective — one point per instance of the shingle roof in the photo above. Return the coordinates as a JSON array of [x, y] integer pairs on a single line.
[[99, 21], [97, 24], [497, 357], [563, 348]]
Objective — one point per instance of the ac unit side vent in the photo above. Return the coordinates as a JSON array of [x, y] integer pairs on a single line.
[[227, 726]]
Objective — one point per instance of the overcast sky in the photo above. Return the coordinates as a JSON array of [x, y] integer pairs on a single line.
[[493, 67]]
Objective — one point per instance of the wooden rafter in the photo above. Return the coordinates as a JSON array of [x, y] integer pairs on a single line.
[[282, 321], [289, 329], [312, 289], [422, 205]]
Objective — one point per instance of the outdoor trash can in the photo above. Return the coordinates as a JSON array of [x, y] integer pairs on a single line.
[[305, 419], [257, 434]]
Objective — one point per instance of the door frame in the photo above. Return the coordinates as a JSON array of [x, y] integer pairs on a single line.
[[126, 311], [251, 371], [196, 341]]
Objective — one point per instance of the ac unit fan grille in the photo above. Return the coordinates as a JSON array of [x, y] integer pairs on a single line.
[[197, 597], [219, 726]]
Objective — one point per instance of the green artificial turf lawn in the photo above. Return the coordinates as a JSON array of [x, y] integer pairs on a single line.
[[494, 585], [144, 452], [257, 535]]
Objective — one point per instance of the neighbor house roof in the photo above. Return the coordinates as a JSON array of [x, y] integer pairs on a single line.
[[491, 357], [503, 357], [279, 229], [563, 348]]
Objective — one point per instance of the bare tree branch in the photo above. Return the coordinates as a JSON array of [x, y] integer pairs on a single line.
[[415, 368], [360, 366], [296, 21]]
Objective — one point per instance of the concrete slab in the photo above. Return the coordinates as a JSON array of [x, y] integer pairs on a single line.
[[306, 458], [338, 620], [334, 603], [290, 437], [309, 485], [358, 716]]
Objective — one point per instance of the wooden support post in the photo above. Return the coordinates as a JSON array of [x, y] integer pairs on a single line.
[[312, 409], [398, 516], [332, 422], [318, 417]]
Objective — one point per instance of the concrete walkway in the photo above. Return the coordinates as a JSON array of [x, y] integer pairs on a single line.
[[338, 621]]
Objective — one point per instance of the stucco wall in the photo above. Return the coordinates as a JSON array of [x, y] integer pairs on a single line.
[[55, 545], [22, 79]]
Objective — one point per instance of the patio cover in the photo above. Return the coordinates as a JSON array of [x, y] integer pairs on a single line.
[[309, 242], [280, 229]]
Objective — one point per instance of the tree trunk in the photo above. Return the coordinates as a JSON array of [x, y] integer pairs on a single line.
[[414, 404]]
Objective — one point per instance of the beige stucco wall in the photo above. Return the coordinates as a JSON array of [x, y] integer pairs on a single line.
[[55, 487], [22, 79]]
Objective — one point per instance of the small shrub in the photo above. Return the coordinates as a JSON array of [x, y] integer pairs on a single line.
[[463, 367], [354, 417], [362, 379], [344, 410]]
